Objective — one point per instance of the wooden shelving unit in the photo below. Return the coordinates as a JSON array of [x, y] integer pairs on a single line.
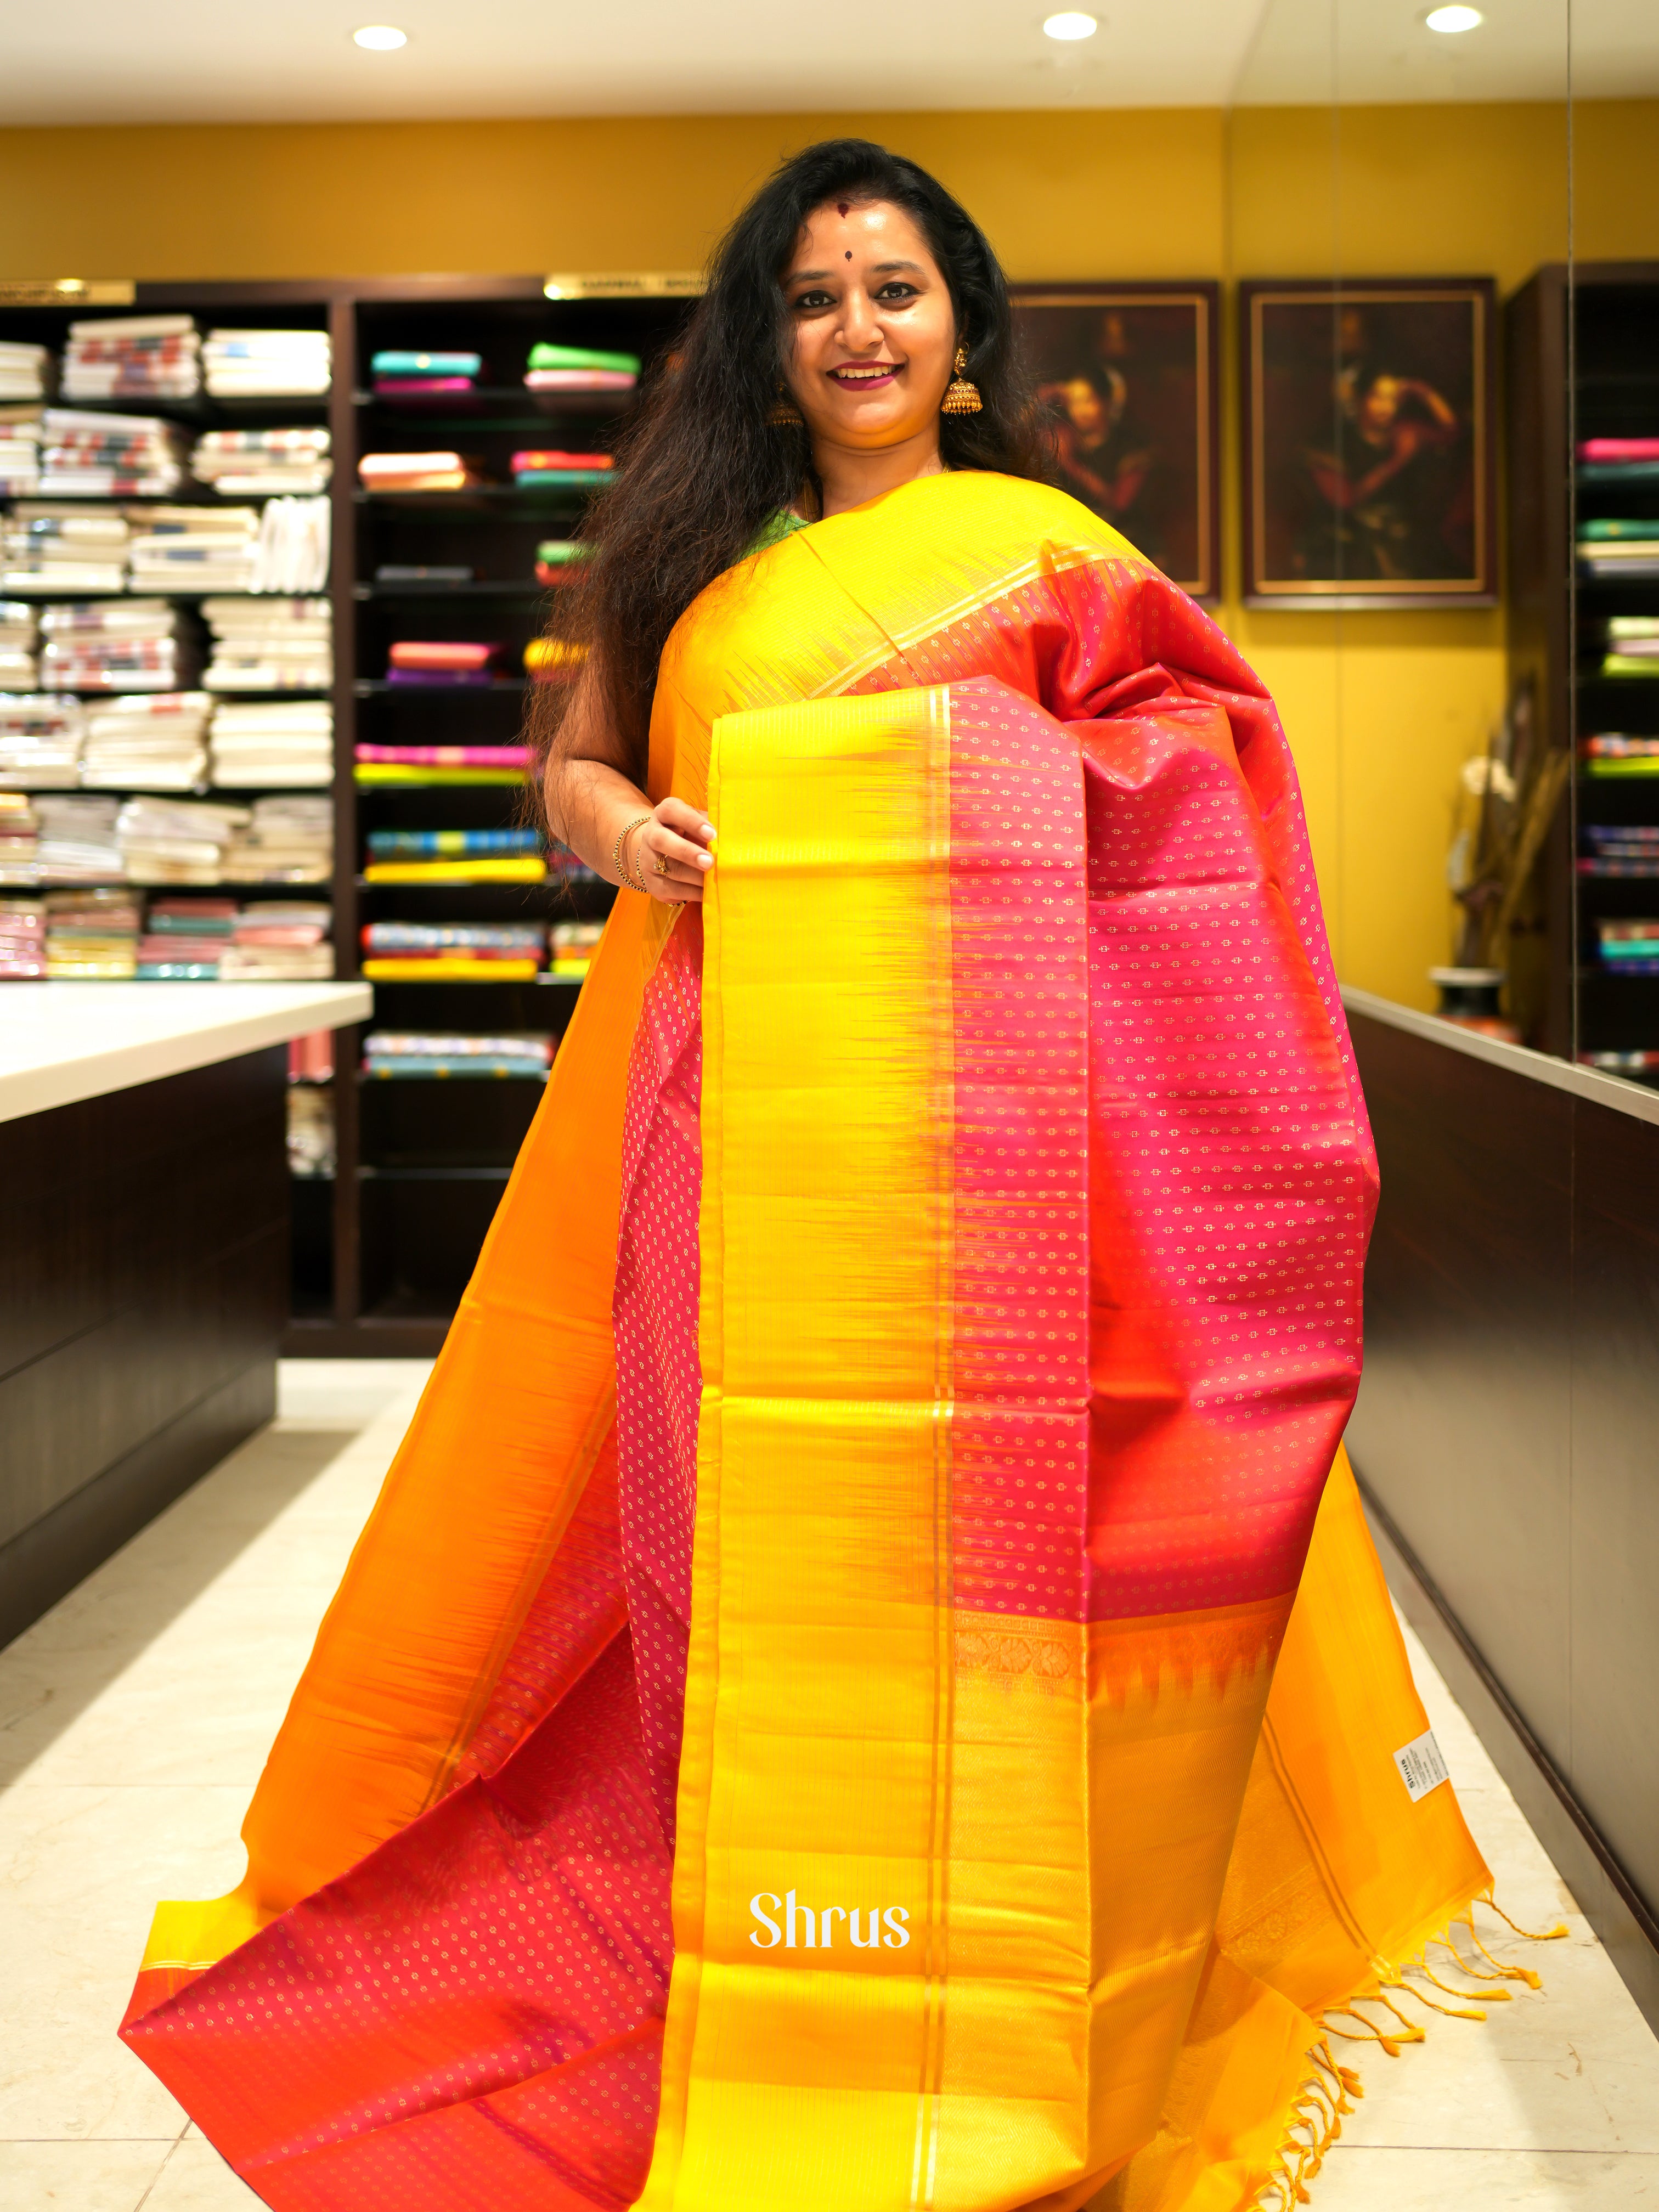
[[382, 1252], [1582, 361]]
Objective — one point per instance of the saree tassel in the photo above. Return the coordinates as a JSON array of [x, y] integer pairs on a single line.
[[1491, 1995], [1533, 1981], [1543, 1934], [1390, 2044], [1451, 2012]]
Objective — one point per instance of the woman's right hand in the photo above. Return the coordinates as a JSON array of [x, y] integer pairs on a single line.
[[672, 853]]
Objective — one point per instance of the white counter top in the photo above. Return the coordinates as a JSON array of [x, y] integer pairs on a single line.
[[63, 1041]]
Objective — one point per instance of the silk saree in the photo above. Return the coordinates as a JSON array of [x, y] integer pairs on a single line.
[[867, 1685]]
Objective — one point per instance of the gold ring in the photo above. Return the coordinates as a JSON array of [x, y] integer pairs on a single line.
[[662, 864]]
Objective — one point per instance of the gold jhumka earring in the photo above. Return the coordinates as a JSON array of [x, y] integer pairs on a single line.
[[785, 415], [960, 394]]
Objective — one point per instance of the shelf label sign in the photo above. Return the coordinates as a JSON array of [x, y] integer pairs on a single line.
[[626, 284], [67, 291]]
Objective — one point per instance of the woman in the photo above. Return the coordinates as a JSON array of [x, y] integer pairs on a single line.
[[817, 1718]]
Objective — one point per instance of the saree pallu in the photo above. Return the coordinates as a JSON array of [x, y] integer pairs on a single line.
[[935, 1745]]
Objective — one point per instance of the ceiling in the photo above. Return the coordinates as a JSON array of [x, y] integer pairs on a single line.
[[163, 61]]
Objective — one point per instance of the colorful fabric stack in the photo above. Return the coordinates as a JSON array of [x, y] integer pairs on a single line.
[[289, 840], [108, 456], [548, 468], [246, 464], [40, 743], [1610, 752], [20, 451], [50, 548], [102, 646], [403, 375], [270, 644], [266, 364], [418, 471], [1610, 549], [441, 764], [418, 1054], [1630, 948], [1618, 460], [194, 549], [184, 940], [577, 368], [466, 856], [146, 741], [280, 744], [25, 370], [92, 934], [1619, 849], [173, 840], [453, 952], [22, 939], [1633, 646], [575, 944], [133, 357], [558, 560], [77, 840], [552, 660], [279, 942], [20, 838], [438, 662], [19, 635]]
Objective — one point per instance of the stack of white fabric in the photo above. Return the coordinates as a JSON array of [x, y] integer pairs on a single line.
[[88, 456], [269, 645], [77, 840], [283, 745], [24, 371], [195, 549], [174, 841], [50, 548], [19, 635], [266, 364], [147, 741], [290, 840], [293, 543], [40, 743], [102, 645], [114, 357], [239, 462], [279, 942], [20, 451]]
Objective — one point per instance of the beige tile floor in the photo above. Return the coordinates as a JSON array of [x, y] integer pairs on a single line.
[[135, 1718]]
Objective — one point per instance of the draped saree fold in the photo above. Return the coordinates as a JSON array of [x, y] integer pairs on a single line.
[[865, 1686]]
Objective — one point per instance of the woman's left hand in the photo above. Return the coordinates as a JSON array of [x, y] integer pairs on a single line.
[[671, 853]]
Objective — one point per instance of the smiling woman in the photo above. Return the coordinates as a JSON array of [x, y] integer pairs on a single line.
[[886, 1464]]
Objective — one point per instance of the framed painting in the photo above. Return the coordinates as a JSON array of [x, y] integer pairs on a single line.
[[1369, 458], [1127, 376]]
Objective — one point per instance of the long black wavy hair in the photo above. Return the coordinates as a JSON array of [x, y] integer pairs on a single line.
[[701, 469]]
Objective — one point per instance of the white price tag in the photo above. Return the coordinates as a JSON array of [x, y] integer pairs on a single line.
[[1421, 1767]]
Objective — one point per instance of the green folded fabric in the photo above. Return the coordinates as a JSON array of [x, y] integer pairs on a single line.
[[1648, 527], [558, 357], [558, 552]]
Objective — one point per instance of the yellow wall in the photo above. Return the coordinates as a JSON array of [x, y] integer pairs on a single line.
[[1382, 708]]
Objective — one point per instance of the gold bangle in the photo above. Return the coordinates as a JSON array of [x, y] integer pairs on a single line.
[[618, 862]]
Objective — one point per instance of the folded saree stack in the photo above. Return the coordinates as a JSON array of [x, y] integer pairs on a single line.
[[241, 464], [174, 841], [115, 645], [266, 364], [1619, 753], [20, 839], [27, 372], [133, 356], [52, 548], [146, 741], [22, 933], [1618, 461], [550, 468], [405, 375], [283, 743], [289, 839], [438, 472], [20, 451], [1619, 849], [93, 456], [476, 856], [280, 941], [40, 740], [194, 549], [440, 662], [414, 1055], [77, 839], [453, 952], [184, 940], [560, 368], [20, 633], [441, 764], [278, 643], [557, 560], [92, 936], [1611, 547]]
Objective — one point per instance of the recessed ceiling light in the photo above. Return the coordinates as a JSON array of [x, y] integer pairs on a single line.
[[1071, 25], [381, 38], [1454, 19]]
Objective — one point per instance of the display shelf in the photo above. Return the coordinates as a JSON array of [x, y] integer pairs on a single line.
[[481, 587], [378, 687]]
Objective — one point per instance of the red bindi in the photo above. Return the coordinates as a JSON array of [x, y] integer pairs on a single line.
[[849, 254], [841, 206]]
